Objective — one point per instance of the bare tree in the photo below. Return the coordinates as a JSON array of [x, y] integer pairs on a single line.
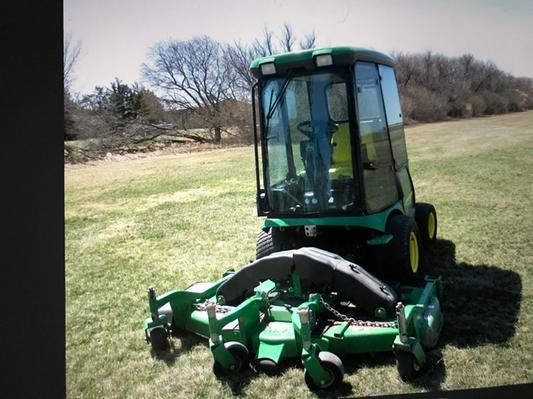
[[287, 38], [309, 41], [265, 46], [71, 53], [192, 75], [239, 56]]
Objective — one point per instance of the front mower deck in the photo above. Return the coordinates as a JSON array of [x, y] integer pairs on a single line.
[[308, 304]]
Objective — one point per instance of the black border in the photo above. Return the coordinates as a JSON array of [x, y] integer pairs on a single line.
[[31, 122], [31, 118]]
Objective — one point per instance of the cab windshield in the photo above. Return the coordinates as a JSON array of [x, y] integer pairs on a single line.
[[308, 149]]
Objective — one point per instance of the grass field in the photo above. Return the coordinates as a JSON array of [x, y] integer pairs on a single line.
[[170, 220]]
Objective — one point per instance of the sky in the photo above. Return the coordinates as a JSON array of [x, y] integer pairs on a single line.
[[115, 35]]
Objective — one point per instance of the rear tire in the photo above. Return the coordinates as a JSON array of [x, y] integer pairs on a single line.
[[404, 257], [426, 219]]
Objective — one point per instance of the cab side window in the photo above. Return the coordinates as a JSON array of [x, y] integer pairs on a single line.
[[394, 115], [378, 174]]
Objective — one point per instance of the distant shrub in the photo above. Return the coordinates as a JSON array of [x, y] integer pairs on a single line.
[[517, 100], [477, 105], [496, 103], [423, 105], [459, 105]]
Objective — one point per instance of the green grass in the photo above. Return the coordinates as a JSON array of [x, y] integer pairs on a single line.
[[170, 220]]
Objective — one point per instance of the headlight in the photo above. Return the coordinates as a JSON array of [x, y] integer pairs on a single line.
[[323, 60], [268, 69]]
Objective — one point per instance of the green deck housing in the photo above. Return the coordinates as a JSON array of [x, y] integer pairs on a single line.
[[276, 323]]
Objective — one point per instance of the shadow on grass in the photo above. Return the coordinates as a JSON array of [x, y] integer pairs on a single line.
[[480, 304], [187, 341]]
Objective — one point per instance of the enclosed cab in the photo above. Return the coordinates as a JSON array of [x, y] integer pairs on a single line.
[[331, 159]]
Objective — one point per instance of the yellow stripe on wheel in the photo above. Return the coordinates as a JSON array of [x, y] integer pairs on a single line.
[[431, 225], [413, 251]]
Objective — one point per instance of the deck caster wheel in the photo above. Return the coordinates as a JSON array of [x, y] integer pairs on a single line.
[[159, 339], [241, 354], [267, 366], [407, 366], [334, 368]]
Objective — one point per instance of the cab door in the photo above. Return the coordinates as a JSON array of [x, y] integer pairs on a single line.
[[391, 100], [379, 180]]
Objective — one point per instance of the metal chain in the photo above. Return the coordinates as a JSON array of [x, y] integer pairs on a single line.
[[336, 313], [362, 323], [202, 307]]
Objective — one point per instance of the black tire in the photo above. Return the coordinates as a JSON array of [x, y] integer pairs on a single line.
[[264, 244], [267, 243], [335, 369], [426, 219], [159, 339], [240, 352], [404, 252], [407, 366], [267, 366]]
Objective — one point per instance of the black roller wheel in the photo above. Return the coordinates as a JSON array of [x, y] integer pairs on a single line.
[[334, 368], [426, 219], [407, 365], [267, 243], [159, 339], [241, 354], [403, 252], [267, 366], [175, 329]]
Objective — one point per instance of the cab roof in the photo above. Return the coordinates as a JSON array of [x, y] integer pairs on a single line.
[[341, 55]]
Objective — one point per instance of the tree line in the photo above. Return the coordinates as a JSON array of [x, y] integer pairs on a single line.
[[199, 90], [434, 87]]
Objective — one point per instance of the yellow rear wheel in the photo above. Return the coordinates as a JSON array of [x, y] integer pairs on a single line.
[[414, 255], [426, 219], [431, 225], [404, 251]]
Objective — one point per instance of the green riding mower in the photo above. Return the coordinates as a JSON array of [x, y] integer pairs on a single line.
[[331, 161], [334, 184], [306, 304]]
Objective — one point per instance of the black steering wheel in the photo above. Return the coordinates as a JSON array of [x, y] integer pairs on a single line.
[[308, 127]]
